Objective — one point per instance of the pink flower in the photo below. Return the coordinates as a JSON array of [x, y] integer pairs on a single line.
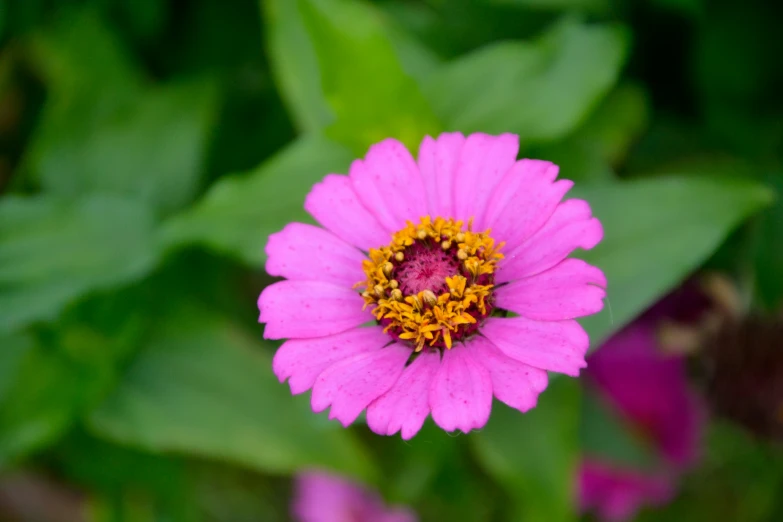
[[320, 497], [434, 254], [650, 389]]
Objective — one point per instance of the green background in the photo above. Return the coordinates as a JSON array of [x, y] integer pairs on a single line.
[[148, 148]]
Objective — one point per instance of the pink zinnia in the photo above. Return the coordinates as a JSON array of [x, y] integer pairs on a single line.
[[414, 249], [320, 497], [650, 390]]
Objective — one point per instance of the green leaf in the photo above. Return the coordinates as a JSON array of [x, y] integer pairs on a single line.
[[590, 152], [13, 348], [53, 251], [535, 455], [295, 65], [57, 376], [656, 232], [151, 147], [238, 213], [528, 87], [203, 387], [369, 92], [608, 437], [101, 130]]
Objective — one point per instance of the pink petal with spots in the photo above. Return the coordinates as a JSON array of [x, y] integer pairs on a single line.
[[524, 201], [570, 227], [437, 162], [571, 289], [461, 392], [335, 205], [483, 162], [353, 383], [557, 346], [405, 407], [514, 383], [303, 360], [388, 182], [296, 309], [308, 253]]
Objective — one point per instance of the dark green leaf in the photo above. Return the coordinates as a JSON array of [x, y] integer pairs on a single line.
[[656, 232], [52, 252], [204, 387], [535, 455], [61, 373], [238, 213], [369, 92], [527, 87], [151, 147]]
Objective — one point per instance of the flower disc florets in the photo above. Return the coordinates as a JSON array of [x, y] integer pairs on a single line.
[[433, 284]]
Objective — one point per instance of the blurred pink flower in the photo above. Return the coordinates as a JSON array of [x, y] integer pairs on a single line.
[[650, 390], [422, 241], [321, 497]]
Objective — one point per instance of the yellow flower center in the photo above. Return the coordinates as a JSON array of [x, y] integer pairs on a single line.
[[433, 284]]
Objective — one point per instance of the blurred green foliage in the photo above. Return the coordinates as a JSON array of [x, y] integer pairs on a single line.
[[148, 148]]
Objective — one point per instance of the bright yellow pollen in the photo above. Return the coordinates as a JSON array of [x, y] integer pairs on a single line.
[[426, 317]]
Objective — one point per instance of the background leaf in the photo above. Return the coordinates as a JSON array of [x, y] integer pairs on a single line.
[[523, 87], [363, 81], [534, 455], [238, 213], [203, 387], [52, 252], [645, 257]]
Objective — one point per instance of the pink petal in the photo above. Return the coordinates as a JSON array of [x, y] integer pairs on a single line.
[[570, 227], [335, 205], [523, 201], [321, 497], [303, 360], [558, 346], [405, 407], [571, 289], [294, 309], [437, 161], [352, 384], [461, 392], [616, 495], [651, 389], [513, 382], [388, 183], [482, 164], [309, 253]]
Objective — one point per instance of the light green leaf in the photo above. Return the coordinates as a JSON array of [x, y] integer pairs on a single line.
[[528, 87], [362, 78], [592, 6], [238, 213], [295, 65], [535, 455], [203, 387], [656, 232], [52, 252]]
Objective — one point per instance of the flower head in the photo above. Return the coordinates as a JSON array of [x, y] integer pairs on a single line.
[[320, 497], [434, 255], [650, 391]]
